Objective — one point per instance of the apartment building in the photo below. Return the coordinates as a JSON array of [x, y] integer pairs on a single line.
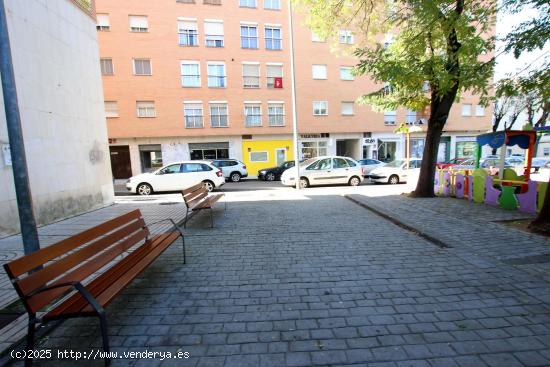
[[206, 79]]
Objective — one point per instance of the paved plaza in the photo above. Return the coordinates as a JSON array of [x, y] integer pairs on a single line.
[[307, 278]]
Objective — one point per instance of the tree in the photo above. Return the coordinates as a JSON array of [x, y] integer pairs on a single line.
[[441, 42]]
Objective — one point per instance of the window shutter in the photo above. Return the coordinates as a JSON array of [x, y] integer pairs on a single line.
[[187, 24], [213, 28], [102, 20], [138, 21]]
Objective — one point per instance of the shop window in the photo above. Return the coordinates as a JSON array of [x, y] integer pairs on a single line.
[[259, 157], [466, 149]]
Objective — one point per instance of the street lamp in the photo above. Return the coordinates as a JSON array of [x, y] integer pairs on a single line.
[[404, 129]]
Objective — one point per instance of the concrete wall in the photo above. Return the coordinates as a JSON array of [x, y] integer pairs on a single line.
[[56, 62]]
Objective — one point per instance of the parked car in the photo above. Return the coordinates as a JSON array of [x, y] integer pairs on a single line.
[[395, 171], [369, 164], [325, 171], [540, 162], [274, 173], [175, 177], [232, 169], [450, 163]]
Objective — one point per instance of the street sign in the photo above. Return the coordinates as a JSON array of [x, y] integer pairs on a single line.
[[278, 82]]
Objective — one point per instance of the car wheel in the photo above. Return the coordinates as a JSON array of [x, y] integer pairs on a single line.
[[393, 180], [270, 176], [209, 185], [144, 189], [235, 177], [304, 183], [354, 181]]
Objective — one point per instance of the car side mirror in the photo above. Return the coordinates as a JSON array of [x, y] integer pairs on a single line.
[[160, 172]]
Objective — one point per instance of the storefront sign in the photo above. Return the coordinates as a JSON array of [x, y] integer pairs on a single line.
[[369, 141]]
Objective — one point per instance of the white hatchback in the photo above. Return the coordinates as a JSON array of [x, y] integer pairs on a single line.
[[325, 171], [176, 177]]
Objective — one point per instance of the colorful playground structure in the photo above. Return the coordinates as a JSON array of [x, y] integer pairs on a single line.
[[506, 190]]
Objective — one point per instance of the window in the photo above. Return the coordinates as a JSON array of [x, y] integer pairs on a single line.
[[346, 73], [273, 71], [218, 114], [106, 66], [145, 109], [322, 164], [388, 40], [345, 37], [276, 114], [216, 74], [316, 38], [319, 71], [142, 67], [249, 36], [195, 167], [188, 33], [103, 22], [311, 149], [252, 114], [251, 75], [339, 163], [247, 3], [480, 110], [259, 157], [190, 74], [210, 2], [150, 156], [272, 4], [546, 152], [272, 38], [390, 117], [193, 114], [111, 109], [411, 117], [171, 169], [320, 108], [209, 150], [138, 23], [466, 109], [213, 33], [347, 108]]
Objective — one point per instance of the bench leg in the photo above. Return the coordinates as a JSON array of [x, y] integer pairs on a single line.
[[183, 244], [211, 218], [30, 340], [104, 336], [185, 220]]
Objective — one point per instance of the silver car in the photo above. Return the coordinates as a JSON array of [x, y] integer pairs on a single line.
[[325, 171]]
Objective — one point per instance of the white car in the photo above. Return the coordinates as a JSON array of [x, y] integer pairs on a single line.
[[395, 171], [325, 171], [176, 177], [232, 169]]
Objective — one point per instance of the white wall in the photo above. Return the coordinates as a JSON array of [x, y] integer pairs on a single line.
[[56, 63]]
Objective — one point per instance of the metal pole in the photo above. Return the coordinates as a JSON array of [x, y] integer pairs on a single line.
[[17, 146], [293, 83]]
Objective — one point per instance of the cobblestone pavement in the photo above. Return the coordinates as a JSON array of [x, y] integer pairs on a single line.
[[286, 279]]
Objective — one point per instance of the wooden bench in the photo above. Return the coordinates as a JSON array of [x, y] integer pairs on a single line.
[[197, 198], [50, 280]]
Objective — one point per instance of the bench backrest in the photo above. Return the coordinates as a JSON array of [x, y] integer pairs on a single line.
[[73, 259], [194, 194]]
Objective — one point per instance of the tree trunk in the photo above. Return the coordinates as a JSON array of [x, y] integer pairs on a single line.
[[542, 221]]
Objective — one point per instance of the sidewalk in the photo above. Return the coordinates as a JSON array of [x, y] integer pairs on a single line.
[[290, 278]]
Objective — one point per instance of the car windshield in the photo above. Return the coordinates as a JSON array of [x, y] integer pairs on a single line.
[[396, 163]]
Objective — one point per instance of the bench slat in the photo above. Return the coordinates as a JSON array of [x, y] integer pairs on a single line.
[[31, 261], [53, 271], [192, 189]]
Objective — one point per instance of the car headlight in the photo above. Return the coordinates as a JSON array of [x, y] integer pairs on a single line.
[[262, 171]]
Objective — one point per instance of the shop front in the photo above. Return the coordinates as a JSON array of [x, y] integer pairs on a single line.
[[198, 151]]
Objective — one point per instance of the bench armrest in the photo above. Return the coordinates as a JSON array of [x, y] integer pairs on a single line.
[[78, 287], [178, 228]]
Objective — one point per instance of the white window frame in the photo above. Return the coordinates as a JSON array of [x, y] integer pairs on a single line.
[[317, 108], [214, 37], [270, 80], [273, 39], [252, 104], [273, 4], [142, 59], [411, 117], [390, 117], [222, 77], [480, 110], [138, 29], [276, 116], [146, 110], [257, 161], [185, 116], [319, 71], [316, 38], [248, 37], [190, 62], [218, 105], [346, 68], [187, 32], [247, 3], [347, 103], [345, 37], [111, 112], [257, 77], [101, 64], [103, 23], [466, 109]]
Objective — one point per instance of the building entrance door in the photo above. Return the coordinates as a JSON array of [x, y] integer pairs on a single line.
[[120, 161], [281, 156]]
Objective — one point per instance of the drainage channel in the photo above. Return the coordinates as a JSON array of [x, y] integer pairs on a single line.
[[400, 224]]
